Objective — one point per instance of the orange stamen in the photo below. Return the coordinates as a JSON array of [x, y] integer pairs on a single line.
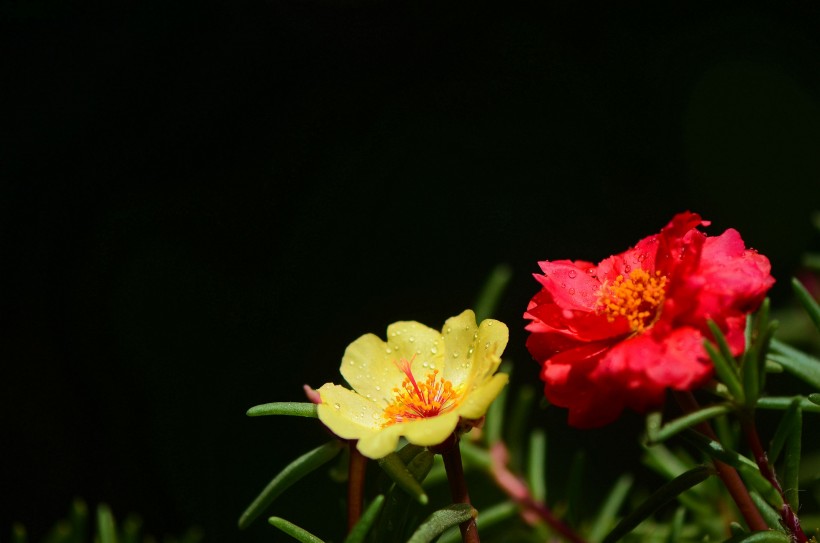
[[415, 400], [636, 298]]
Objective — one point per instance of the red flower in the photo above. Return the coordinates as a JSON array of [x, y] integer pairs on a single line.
[[620, 333]]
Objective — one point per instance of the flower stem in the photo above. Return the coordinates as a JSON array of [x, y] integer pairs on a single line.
[[355, 485], [734, 484], [458, 486], [790, 520]]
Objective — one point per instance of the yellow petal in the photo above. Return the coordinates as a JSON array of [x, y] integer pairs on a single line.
[[475, 405], [347, 414], [380, 443], [368, 367], [431, 431], [458, 337], [490, 343], [414, 341]]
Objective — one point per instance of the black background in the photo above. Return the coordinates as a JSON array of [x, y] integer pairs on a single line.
[[203, 203]]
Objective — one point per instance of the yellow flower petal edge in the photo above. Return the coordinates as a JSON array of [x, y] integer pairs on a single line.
[[417, 384]]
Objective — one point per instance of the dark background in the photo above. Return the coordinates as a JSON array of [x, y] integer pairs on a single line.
[[203, 203]]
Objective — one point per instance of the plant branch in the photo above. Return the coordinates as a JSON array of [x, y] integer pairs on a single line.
[[734, 484], [520, 493], [458, 486], [355, 485], [790, 520]]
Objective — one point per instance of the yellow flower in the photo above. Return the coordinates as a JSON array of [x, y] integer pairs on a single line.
[[418, 384]]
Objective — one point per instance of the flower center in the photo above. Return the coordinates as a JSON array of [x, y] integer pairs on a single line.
[[636, 298], [415, 400]]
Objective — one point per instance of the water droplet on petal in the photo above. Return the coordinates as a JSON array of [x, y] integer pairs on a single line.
[[487, 345], [455, 355], [641, 257], [388, 350], [337, 406], [490, 323], [411, 339], [571, 291], [572, 274], [475, 334], [449, 329], [627, 268], [378, 388], [424, 365], [351, 362], [563, 285], [433, 350]]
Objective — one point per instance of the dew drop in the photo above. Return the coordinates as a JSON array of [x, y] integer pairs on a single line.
[[571, 291], [424, 365], [433, 350], [563, 285], [432, 366], [592, 272], [475, 334], [374, 415], [489, 323], [369, 396], [572, 274], [411, 339], [388, 350], [487, 345], [337, 406], [378, 388], [627, 268], [641, 257], [449, 329], [351, 362], [455, 355], [470, 353]]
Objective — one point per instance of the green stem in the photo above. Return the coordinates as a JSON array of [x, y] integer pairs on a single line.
[[355, 485], [728, 474], [790, 520], [458, 486]]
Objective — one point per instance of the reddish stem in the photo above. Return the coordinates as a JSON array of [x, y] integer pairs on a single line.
[[458, 486], [790, 520], [355, 485], [734, 484], [520, 493]]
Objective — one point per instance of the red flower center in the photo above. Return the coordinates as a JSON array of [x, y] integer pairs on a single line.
[[416, 400], [637, 298]]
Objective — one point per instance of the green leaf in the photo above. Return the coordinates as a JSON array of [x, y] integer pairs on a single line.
[[791, 462], [399, 507], [360, 529], [294, 531], [687, 421], [815, 398], [18, 533], [402, 476], [768, 513], [536, 465], [518, 428], [489, 517], [783, 402], [491, 292], [771, 536], [786, 426], [576, 487], [609, 510], [746, 467], [296, 409], [106, 528], [293, 472], [725, 373], [798, 363], [441, 520], [676, 526], [79, 521], [807, 301], [658, 499]]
